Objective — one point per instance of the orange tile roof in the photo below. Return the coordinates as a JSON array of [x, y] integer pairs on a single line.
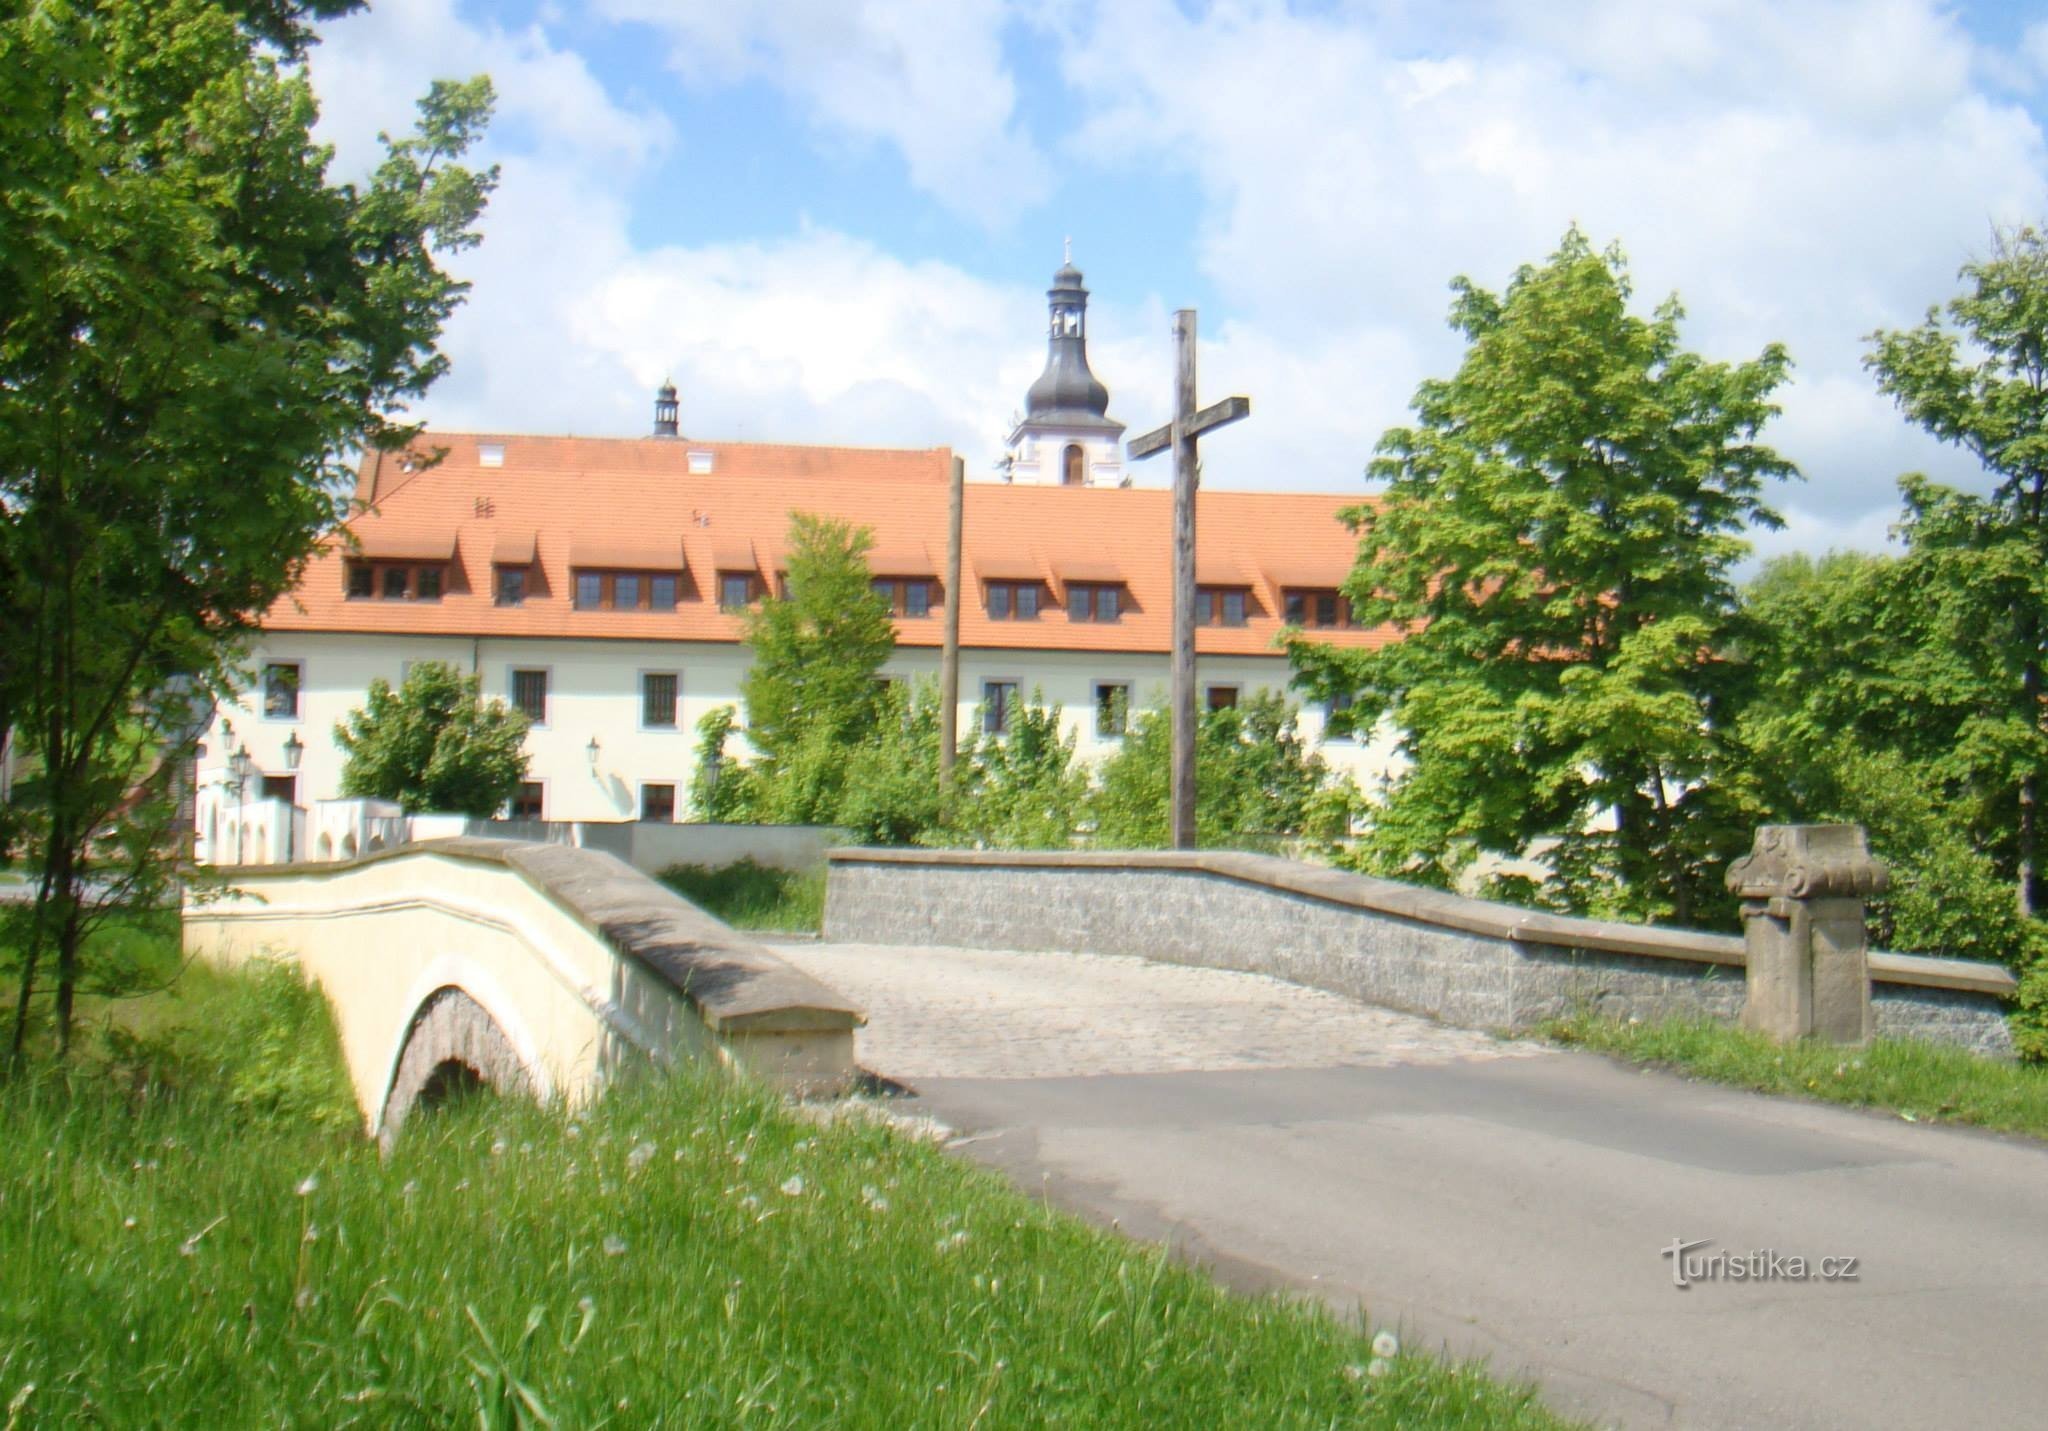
[[566, 495]]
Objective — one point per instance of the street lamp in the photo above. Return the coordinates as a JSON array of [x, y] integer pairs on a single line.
[[294, 750], [590, 750], [241, 767]]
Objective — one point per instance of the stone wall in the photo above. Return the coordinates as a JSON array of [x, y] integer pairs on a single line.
[[1464, 961]]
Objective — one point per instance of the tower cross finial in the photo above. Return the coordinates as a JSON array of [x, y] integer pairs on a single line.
[[1069, 255]]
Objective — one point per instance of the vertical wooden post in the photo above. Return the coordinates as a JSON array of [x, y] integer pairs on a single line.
[[1183, 669], [949, 656]]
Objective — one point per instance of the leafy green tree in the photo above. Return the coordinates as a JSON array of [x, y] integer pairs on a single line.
[[1261, 785], [434, 744], [812, 690], [1025, 790], [1555, 543], [195, 327], [1980, 380]]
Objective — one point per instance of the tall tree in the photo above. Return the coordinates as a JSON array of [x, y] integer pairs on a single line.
[[434, 744], [818, 646], [1979, 379], [812, 692], [195, 325], [1874, 706], [1554, 544]]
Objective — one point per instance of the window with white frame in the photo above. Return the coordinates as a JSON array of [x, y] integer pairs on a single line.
[[281, 683]]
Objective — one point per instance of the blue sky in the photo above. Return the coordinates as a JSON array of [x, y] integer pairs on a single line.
[[833, 221]]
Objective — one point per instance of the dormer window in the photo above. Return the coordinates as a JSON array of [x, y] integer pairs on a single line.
[[700, 464], [908, 597], [1013, 600], [1316, 608], [490, 454], [1220, 606], [1093, 601]]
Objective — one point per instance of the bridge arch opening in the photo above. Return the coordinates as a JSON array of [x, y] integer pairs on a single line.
[[454, 1050]]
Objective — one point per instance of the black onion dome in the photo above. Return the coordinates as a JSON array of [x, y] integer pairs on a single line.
[[1067, 394]]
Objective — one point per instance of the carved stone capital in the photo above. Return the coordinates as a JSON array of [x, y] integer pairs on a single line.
[[1808, 862]]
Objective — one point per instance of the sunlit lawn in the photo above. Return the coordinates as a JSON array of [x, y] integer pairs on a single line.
[[188, 1239]]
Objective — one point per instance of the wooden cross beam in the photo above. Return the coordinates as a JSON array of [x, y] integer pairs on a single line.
[[1214, 415], [1181, 434]]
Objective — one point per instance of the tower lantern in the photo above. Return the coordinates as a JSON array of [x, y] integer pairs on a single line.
[[1066, 436], [666, 411]]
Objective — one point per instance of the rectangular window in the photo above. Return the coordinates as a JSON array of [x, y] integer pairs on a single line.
[[1001, 599], [1335, 708], [1321, 609], [1220, 698], [917, 599], [658, 700], [661, 593], [281, 787], [589, 591], [362, 582], [428, 583], [530, 695], [1027, 601], [1219, 606], [1093, 603], [394, 583], [511, 585], [735, 590], [998, 702], [1112, 708], [658, 802], [884, 588], [625, 592], [281, 690], [526, 805]]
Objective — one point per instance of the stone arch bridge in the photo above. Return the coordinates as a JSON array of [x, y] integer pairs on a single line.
[[535, 968]]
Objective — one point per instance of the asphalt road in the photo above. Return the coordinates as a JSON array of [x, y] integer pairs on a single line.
[[1491, 1199]]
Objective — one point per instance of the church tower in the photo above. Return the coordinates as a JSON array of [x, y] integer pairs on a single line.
[[1066, 436]]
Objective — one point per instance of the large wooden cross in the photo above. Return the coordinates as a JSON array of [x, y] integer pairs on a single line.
[[1181, 434]]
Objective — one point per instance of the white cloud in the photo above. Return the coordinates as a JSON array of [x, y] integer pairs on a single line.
[[370, 68], [1801, 173], [928, 79]]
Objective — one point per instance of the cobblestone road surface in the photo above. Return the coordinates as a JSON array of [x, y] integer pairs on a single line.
[[978, 1013]]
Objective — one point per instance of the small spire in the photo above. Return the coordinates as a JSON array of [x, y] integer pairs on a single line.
[[1069, 248], [666, 409]]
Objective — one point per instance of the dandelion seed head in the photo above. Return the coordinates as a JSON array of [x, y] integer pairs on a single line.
[[614, 1246], [498, 1147], [640, 1157], [1386, 1344], [1378, 1367], [793, 1186], [129, 1223]]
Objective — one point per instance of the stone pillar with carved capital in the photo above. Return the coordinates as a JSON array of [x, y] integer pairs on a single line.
[[1802, 889]]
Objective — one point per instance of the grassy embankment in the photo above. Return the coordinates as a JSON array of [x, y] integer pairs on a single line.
[[1921, 1082], [193, 1233], [753, 896]]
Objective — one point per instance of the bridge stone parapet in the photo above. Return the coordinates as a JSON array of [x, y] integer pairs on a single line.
[[539, 968], [1466, 961]]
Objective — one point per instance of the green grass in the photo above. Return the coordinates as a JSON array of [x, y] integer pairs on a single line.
[[747, 895], [1921, 1082], [174, 1251]]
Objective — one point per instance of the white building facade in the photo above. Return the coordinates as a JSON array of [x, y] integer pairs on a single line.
[[599, 585]]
